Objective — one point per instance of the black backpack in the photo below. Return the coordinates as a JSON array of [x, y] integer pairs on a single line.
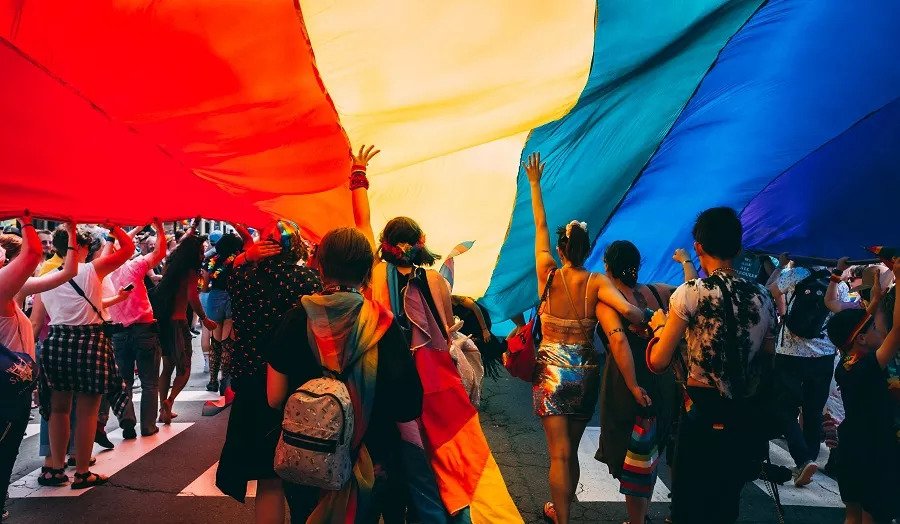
[[807, 312]]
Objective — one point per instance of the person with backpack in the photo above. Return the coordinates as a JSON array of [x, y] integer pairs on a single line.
[[342, 363], [804, 360], [730, 327]]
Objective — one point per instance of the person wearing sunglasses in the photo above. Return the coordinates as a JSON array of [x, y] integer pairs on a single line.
[[869, 378]]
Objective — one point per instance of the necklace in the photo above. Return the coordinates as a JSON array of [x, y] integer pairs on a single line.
[[724, 270]]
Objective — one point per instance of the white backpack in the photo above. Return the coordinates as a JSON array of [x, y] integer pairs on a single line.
[[315, 448]]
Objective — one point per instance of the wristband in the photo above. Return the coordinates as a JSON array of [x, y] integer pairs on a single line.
[[836, 279], [71, 247], [359, 180], [658, 328], [837, 272], [648, 314]]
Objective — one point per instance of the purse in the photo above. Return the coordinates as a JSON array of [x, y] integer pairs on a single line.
[[519, 357]]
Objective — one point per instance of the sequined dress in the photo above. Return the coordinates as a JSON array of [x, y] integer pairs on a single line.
[[567, 377]]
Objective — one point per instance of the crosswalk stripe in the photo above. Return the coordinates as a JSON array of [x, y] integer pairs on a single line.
[[186, 396], [822, 492], [205, 486], [108, 463], [193, 395], [597, 485]]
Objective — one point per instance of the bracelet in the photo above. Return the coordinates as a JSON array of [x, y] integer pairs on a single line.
[[71, 247], [358, 180], [836, 279], [691, 262], [658, 328]]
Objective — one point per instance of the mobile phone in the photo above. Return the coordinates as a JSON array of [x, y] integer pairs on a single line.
[[129, 287]]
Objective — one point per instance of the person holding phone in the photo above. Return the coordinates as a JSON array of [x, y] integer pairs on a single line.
[[137, 343]]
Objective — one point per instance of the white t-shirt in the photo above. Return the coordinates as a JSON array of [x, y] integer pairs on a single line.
[[791, 344], [66, 307], [16, 332]]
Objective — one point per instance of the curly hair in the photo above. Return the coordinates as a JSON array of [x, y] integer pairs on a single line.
[[187, 257]]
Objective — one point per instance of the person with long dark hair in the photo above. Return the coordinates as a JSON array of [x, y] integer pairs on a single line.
[[171, 297], [566, 379], [217, 304], [636, 406]]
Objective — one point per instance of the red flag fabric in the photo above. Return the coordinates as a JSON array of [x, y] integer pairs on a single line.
[[130, 109]]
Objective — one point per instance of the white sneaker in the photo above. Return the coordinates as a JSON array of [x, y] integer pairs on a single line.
[[205, 364], [803, 475]]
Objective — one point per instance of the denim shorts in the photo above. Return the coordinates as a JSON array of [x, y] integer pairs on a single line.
[[217, 305]]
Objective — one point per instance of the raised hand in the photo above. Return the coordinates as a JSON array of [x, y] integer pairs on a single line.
[[843, 263], [262, 250], [681, 256], [364, 156], [534, 169]]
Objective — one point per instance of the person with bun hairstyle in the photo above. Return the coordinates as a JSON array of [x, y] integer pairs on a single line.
[[630, 395], [567, 375]]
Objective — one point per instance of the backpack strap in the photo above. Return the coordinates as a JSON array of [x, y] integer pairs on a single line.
[[732, 353]]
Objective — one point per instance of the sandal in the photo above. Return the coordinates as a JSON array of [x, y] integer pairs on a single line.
[[52, 477], [550, 512], [87, 480]]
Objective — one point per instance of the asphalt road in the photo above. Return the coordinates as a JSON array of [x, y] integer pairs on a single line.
[[168, 478]]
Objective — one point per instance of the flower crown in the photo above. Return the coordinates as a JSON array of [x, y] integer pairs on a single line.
[[581, 225], [403, 251]]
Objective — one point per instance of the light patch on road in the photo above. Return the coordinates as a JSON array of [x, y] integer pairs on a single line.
[[108, 463], [821, 492], [597, 485], [205, 486]]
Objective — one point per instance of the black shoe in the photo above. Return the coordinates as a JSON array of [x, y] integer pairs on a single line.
[[213, 385], [129, 433], [151, 433], [101, 438]]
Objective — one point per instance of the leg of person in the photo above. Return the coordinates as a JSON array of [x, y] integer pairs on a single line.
[[124, 351], [853, 513], [12, 432], [576, 431], [215, 361], [165, 379], [60, 409], [205, 340], [556, 429], [816, 386], [100, 436], [790, 377], [87, 407], [147, 357], [269, 501], [183, 368]]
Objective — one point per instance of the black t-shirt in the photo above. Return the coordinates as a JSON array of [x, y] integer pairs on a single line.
[[398, 390], [868, 421]]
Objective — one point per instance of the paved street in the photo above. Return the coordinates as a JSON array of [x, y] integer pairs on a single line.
[[170, 477]]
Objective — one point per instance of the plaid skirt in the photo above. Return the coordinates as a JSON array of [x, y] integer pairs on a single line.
[[80, 359]]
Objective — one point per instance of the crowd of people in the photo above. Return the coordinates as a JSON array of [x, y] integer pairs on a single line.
[[319, 351]]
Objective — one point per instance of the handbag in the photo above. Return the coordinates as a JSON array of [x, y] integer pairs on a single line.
[[519, 358]]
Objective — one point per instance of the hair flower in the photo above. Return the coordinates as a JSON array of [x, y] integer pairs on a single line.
[[582, 225]]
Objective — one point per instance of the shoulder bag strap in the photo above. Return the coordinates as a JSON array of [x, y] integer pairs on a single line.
[[658, 298], [81, 292]]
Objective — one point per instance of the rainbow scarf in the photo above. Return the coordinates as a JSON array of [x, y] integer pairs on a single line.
[[468, 478], [340, 326]]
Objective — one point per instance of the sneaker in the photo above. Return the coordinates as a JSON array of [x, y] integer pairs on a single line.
[[101, 438], [803, 475], [213, 385]]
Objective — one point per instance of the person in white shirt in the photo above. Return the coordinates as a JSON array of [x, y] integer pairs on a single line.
[[77, 334]]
